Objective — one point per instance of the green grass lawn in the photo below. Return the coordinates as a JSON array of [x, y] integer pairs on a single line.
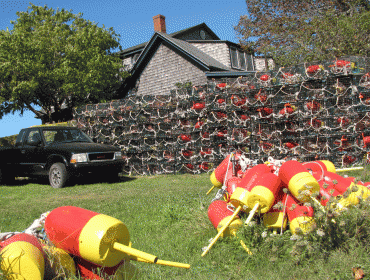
[[167, 216]]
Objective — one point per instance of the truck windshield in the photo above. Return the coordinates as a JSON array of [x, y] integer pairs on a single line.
[[65, 135]]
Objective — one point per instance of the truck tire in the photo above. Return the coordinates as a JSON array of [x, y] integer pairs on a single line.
[[58, 175]]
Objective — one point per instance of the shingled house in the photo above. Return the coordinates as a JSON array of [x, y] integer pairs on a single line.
[[194, 54]]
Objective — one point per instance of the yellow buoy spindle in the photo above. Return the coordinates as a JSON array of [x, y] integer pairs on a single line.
[[214, 240], [133, 252], [162, 262], [349, 169], [251, 213], [211, 189]]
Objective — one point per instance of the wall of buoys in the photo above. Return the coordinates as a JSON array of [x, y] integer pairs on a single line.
[[75, 241], [299, 189], [293, 113]]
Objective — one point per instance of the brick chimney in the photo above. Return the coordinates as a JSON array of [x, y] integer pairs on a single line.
[[159, 23]]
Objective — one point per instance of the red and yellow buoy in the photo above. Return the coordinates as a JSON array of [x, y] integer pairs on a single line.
[[299, 181], [300, 217], [276, 218], [122, 271], [239, 200], [60, 262], [251, 176], [22, 257], [319, 166], [222, 217], [97, 238]]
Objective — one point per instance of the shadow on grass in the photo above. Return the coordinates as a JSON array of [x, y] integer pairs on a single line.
[[91, 179], [79, 180]]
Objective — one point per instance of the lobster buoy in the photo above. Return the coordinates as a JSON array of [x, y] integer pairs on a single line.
[[264, 192], [121, 271], [198, 106], [232, 184], [219, 214], [299, 181], [275, 218], [60, 260], [185, 138], [265, 77], [326, 193], [199, 124], [337, 182], [237, 198], [218, 175], [355, 193], [319, 166], [251, 175], [97, 238], [300, 217], [22, 257]]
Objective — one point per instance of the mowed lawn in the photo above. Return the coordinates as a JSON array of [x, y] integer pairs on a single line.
[[166, 216]]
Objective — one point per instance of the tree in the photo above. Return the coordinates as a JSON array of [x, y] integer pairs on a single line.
[[54, 59], [296, 31]]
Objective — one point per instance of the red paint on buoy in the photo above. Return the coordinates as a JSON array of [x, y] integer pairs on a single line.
[[251, 175]]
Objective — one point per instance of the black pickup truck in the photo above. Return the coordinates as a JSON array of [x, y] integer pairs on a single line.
[[60, 153]]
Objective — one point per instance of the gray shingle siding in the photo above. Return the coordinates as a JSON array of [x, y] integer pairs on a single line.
[[259, 64], [219, 51], [165, 69], [195, 35]]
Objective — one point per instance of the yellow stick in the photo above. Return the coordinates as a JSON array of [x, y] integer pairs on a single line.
[[222, 230], [211, 189], [175, 264], [245, 247], [251, 213], [318, 204], [162, 262], [349, 169], [136, 253]]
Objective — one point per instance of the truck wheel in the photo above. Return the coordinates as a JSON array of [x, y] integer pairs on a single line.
[[58, 175]]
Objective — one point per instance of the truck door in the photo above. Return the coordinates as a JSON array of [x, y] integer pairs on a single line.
[[33, 157]]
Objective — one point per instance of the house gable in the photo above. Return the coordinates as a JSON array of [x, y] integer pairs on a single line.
[[166, 68]]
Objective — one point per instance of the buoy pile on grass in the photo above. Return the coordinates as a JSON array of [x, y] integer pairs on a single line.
[[294, 185], [83, 242]]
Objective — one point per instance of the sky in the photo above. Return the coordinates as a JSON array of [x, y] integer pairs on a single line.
[[133, 20]]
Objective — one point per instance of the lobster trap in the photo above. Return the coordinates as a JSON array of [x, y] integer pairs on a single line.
[[308, 111]]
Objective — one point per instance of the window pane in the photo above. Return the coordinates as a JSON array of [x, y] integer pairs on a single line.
[[234, 58], [249, 62], [241, 60]]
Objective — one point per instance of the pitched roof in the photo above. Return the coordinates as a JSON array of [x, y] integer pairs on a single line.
[[193, 53], [176, 34]]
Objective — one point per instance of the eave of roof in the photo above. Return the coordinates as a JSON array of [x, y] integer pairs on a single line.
[[193, 53], [141, 46]]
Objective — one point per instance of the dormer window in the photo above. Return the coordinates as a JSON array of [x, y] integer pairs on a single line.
[[238, 59]]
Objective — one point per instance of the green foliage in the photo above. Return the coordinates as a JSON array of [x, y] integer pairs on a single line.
[[185, 85], [52, 58], [8, 140], [298, 31]]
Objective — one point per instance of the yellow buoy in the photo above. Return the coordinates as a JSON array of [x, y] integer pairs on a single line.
[[61, 263], [22, 258]]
